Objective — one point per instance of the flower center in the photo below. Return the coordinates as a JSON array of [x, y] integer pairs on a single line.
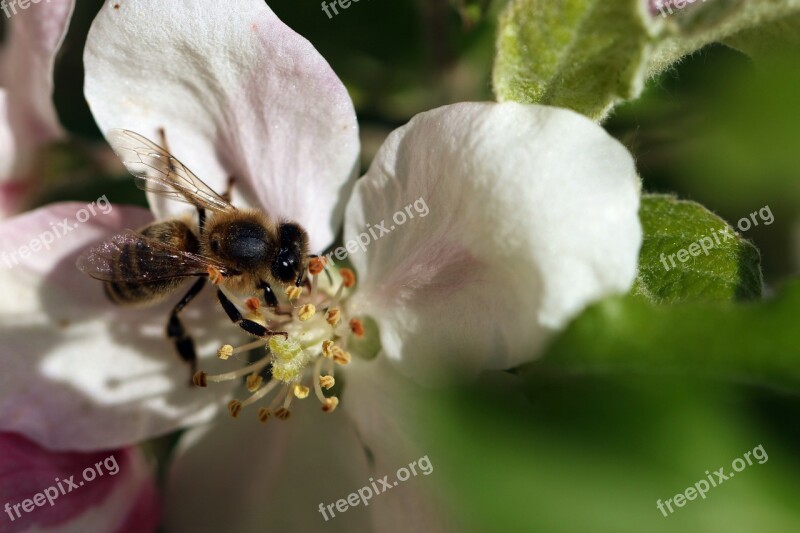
[[317, 329]]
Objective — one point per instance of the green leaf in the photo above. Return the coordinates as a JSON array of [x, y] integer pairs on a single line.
[[689, 253], [720, 21], [753, 343], [581, 54], [588, 55]]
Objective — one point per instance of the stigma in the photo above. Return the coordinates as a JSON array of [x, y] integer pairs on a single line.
[[316, 320]]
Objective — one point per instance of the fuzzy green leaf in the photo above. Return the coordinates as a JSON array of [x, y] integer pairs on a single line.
[[689, 253]]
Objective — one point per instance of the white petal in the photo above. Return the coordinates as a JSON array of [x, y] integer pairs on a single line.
[[238, 92], [79, 372], [524, 215], [256, 477]]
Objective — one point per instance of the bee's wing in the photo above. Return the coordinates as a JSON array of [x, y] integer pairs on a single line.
[[157, 171], [132, 257]]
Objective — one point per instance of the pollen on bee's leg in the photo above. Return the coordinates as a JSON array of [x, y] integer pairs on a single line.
[[306, 312], [333, 316], [357, 327], [253, 304], [215, 276]]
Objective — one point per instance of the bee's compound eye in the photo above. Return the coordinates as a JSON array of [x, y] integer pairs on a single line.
[[285, 266]]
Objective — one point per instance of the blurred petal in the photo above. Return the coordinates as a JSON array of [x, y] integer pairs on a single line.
[[28, 116], [256, 477], [79, 372], [518, 217], [239, 93], [34, 38], [123, 498]]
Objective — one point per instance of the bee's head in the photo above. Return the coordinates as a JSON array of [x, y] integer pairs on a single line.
[[289, 264]]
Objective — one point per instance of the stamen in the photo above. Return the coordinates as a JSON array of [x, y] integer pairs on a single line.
[[254, 382], [316, 265], [348, 277], [306, 312], [225, 352], [293, 292], [340, 356], [333, 316], [327, 346], [230, 376], [301, 391], [314, 280], [234, 408], [327, 382], [329, 405], [357, 327], [283, 414], [263, 414], [260, 393]]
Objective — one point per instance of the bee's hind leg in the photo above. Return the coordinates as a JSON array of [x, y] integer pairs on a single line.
[[184, 344]]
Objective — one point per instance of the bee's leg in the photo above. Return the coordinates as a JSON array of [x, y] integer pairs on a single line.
[[269, 296], [253, 328], [229, 189], [184, 344]]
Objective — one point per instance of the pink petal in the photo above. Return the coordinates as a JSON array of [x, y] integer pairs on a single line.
[[110, 490], [239, 93], [79, 372]]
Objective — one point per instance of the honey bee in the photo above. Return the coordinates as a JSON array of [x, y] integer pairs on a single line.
[[243, 250]]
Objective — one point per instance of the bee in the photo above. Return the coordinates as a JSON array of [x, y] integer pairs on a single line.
[[243, 250]]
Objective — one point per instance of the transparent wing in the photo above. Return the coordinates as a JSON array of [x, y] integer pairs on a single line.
[[157, 171], [132, 257]]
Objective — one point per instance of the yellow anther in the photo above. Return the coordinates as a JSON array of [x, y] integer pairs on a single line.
[[234, 408], [340, 356], [293, 292], [306, 312], [225, 352], [254, 382], [333, 316], [199, 379], [327, 382], [329, 405], [301, 391], [327, 347]]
